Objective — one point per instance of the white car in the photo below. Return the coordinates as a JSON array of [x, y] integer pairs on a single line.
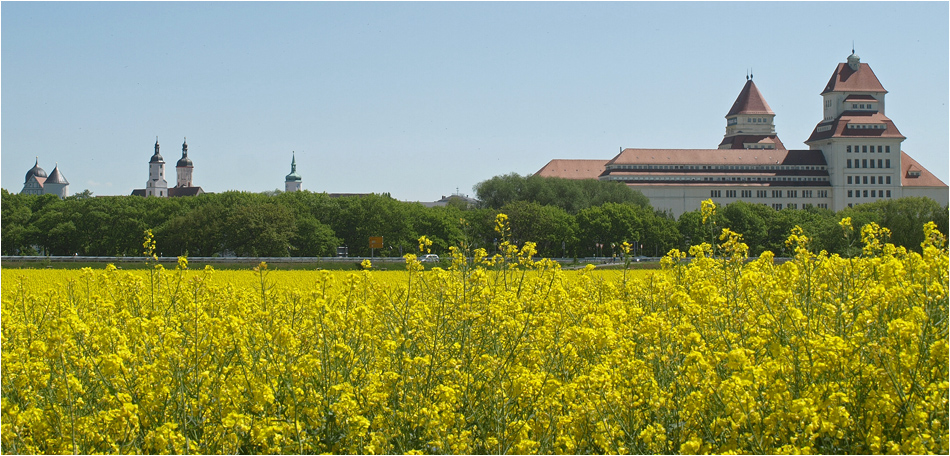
[[429, 258]]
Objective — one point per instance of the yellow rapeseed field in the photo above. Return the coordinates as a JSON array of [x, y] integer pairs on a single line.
[[503, 354]]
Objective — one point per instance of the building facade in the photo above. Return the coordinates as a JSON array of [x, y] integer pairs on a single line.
[[854, 157], [37, 182], [157, 185]]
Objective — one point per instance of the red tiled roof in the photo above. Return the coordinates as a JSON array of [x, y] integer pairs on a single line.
[[572, 169], [750, 101], [738, 142], [926, 178], [839, 127], [719, 157], [844, 79]]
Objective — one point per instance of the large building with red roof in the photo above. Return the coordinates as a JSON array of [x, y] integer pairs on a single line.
[[854, 156]]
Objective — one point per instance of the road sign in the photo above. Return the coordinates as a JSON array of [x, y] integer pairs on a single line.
[[375, 242]]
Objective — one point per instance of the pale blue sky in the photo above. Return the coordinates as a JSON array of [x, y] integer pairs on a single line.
[[418, 99]]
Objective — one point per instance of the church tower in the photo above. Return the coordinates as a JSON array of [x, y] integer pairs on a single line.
[[293, 180], [56, 184], [156, 185], [750, 122], [861, 145], [184, 167]]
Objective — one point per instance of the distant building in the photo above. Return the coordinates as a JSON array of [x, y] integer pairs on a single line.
[[854, 157], [456, 197], [38, 183], [158, 186], [293, 181]]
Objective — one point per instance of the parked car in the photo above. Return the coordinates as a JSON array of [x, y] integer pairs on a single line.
[[429, 258]]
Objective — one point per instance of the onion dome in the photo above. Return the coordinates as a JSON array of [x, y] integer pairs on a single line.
[[293, 176], [854, 61], [157, 157], [56, 177], [185, 162], [35, 171]]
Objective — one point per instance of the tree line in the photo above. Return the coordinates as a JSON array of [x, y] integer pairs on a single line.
[[566, 218]]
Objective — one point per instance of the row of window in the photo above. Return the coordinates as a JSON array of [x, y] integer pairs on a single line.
[[727, 167], [778, 206], [717, 179], [755, 120], [864, 149], [874, 193], [775, 193], [867, 126], [875, 180], [863, 106], [863, 163]]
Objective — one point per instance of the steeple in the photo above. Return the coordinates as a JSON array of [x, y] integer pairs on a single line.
[[293, 181], [35, 171], [750, 101], [156, 157], [184, 161], [184, 167], [749, 123], [156, 185]]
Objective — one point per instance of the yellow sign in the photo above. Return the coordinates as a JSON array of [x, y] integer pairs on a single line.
[[375, 242]]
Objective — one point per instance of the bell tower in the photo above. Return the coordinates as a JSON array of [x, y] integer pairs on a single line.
[[156, 185]]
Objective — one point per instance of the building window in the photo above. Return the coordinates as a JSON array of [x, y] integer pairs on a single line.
[[762, 193], [806, 193], [865, 193], [888, 193], [887, 149], [879, 162], [730, 193], [715, 193], [849, 163], [793, 193], [747, 193], [792, 206], [777, 206], [849, 180], [873, 193], [850, 193], [776, 193], [872, 163], [849, 149], [888, 180], [872, 180], [864, 161], [865, 180], [880, 149], [887, 163], [864, 149]]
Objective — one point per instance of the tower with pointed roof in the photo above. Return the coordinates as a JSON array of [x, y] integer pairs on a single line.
[[56, 183], [184, 167], [156, 185], [861, 145], [750, 122], [293, 181]]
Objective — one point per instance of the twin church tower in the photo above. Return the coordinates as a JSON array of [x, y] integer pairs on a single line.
[[158, 186]]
